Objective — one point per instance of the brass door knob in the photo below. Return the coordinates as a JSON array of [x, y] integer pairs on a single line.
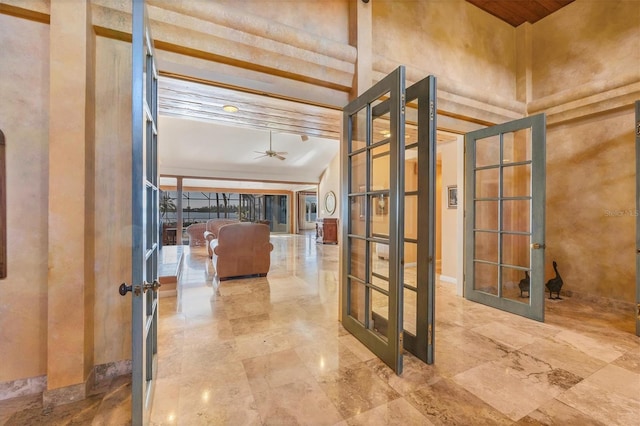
[[537, 246]]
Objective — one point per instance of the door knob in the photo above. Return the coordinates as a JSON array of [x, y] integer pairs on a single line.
[[124, 289], [155, 285], [537, 246]]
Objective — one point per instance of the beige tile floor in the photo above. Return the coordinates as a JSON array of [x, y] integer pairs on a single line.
[[270, 351]]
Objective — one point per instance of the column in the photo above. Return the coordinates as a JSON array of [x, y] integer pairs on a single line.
[[71, 203]]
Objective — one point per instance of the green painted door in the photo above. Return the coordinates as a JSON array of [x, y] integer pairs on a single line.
[[388, 212], [504, 216], [372, 175], [419, 207], [145, 217], [637, 218]]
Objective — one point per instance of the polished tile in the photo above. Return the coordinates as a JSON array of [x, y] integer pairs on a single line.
[[271, 351]]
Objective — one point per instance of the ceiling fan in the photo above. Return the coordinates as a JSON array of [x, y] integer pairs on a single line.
[[270, 152]]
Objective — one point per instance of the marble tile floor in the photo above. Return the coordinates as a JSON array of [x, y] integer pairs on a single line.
[[270, 351]]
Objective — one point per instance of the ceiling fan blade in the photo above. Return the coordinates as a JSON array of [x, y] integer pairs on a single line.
[[259, 156], [282, 153], [259, 152], [279, 157]]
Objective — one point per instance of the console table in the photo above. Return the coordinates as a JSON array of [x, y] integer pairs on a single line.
[[327, 230]]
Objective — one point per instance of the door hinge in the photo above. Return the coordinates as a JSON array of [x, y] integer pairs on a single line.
[[402, 105], [638, 128], [431, 111], [430, 335]]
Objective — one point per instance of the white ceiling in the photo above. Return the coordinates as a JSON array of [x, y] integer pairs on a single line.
[[197, 139], [205, 149], [212, 148]]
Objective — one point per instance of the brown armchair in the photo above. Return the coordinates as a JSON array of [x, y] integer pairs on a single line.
[[241, 249], [196, 234]]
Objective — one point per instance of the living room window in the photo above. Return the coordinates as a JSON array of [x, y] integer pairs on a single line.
[[199, 206]]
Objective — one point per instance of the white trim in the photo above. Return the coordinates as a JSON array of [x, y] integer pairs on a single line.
[[446, 279]]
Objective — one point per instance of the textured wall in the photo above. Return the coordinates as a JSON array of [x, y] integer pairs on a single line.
[[591, 205], [24, 119], [451, 39], [586, 42], [328, 18], [448, 216], [113, 200]]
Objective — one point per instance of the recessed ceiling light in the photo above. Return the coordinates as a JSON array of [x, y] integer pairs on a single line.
[[230, 108]]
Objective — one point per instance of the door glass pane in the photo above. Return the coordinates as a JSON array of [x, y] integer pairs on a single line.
[[380, 283], [488, 151], [411, 170], [486, 278], [358, 170], [487, 215], [410, 273], [515, 250], [487, 183], [357, 215], [357, 301], [515, 283], [410, 311], [516, 146], [378, 265], [486, 246], [380, 163], [410, 256], [379, 313], [379, 219], [516, 181], [381, 128], [516, 215], [411, 216], [358, 130], [358, 258]]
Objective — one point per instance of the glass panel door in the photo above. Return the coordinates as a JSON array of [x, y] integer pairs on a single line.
[[419, 219], [637, 218], [504, 220], [373, 167], [145, 217]]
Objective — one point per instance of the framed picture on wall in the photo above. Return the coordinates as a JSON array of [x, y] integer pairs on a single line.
[[452, 196]]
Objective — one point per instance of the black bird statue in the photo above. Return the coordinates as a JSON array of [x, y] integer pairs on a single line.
[[555, 284], [524, 284]]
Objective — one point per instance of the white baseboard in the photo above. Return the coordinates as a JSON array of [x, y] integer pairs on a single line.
[[446, 279]]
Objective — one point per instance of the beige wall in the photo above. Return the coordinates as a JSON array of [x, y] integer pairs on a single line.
[[24, 119], [113, 200], [592, 43], [587, 60], [449, 155], [327, 19], [591, 205], [330, 181], [452, 40]]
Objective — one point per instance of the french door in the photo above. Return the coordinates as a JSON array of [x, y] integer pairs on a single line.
[[504, 216], [387, 209], [145, 218], [637, 218]]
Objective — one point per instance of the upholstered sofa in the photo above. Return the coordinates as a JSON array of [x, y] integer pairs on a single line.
[[196, 231], [240, 249]]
